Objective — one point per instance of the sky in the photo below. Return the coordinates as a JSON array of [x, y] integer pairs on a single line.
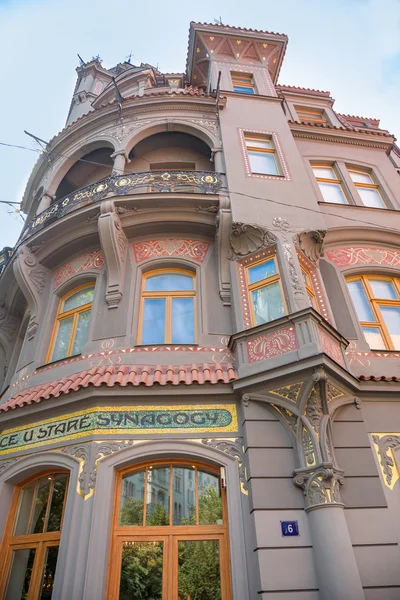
[[348, 47]]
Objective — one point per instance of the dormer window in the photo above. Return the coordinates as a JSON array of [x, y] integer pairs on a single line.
[[311, 115], [243, 83]]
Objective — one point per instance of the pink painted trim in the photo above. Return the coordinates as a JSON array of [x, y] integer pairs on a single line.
[[193, 249], [92, 261], [271, 344], [315, 275], [346, 257]]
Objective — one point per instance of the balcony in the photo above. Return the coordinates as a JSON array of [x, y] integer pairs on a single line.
[[192, 182]]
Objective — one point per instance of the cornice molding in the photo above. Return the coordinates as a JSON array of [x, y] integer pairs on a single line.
[[343, 137]]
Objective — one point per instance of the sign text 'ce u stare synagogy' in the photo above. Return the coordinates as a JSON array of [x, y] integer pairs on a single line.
[[205, 418]]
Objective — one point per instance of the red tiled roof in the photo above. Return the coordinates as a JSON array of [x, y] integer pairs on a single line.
[[124, 375], [381, 132], [311, 91], [355, 118], [378, 378]]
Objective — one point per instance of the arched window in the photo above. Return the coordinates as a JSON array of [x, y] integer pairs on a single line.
[[377, 302], [170, 548], [29, 554], [167, 313], [265, 291], [72, 322]]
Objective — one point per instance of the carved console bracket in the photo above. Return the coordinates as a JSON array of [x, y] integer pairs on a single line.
[[88, 455], [115, 246], [32, 278], [305, 408], [233, 449], [246, 239], [311, 242]]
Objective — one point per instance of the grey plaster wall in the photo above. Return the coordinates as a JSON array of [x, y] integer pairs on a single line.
[[286, 564]]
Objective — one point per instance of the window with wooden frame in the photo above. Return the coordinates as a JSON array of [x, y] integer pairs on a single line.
[[367, 188], [32, 537], [329, 183], [168, 307], [311, 115], [377, 303], [72, 323], [265, 291], [243, 83], [169, 541], [262, 154]]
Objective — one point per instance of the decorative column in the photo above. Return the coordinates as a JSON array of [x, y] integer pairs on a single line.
[[304, 408], [120, 160], [45, 201]]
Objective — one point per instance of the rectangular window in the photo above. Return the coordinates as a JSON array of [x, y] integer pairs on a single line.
[[367, 188], [243, 83], [329, 183], [266, 298], [310, 288], [311, 115], [262, 155], [376, 300]]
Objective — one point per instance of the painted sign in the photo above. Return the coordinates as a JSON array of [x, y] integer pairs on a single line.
[[289, 528], [204, 418]]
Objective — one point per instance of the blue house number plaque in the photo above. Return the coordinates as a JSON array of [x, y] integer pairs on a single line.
[[289, 528]]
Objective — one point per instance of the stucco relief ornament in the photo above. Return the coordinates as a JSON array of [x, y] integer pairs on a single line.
[[321, 486], [385, 444], [6, 463], [311, 243], [246, 239], [89, 454], [233, 449], [8, 324]]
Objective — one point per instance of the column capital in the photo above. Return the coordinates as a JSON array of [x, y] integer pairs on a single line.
[[321, 485]]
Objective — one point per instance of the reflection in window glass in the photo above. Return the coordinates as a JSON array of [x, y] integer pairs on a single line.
[[371, 198], [374, 338], [169, 282], [62, 339], [210, 502], [360, 301], [24, 510], [20, 574], [391, 316], [132, 499], [49, 572], [383, 289], [183, 496], [199, 570], [78, 299], [57, 502], [157, 496], [262, 271], [141, 571], [40, 506], [154, 321], [332, 192], [182, 320], [81, 332], [267, 303]]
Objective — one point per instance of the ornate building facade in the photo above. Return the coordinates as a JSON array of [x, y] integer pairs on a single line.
[[200, 342]]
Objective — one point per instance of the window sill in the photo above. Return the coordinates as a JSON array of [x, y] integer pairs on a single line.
[[390, 210], [54, 362]]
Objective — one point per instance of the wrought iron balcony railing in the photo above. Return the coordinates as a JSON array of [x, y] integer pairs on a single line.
[[193, 182]]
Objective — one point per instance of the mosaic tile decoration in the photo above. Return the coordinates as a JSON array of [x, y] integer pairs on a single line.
[[202, 418]]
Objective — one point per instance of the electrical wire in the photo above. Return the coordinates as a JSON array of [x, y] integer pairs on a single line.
[[360, 222]]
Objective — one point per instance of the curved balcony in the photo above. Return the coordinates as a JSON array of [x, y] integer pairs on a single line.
[[192, 182]]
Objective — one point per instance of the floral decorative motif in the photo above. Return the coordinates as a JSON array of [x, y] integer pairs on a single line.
[[332, 391], [194, 249], [85, 262], [320, 485], [290, 392], [331, 347], [384, 445], [344, 257], [234, 449], [272, 344]]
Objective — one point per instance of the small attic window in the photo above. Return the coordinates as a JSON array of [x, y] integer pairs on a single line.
[[311, 115], [243, 83]]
